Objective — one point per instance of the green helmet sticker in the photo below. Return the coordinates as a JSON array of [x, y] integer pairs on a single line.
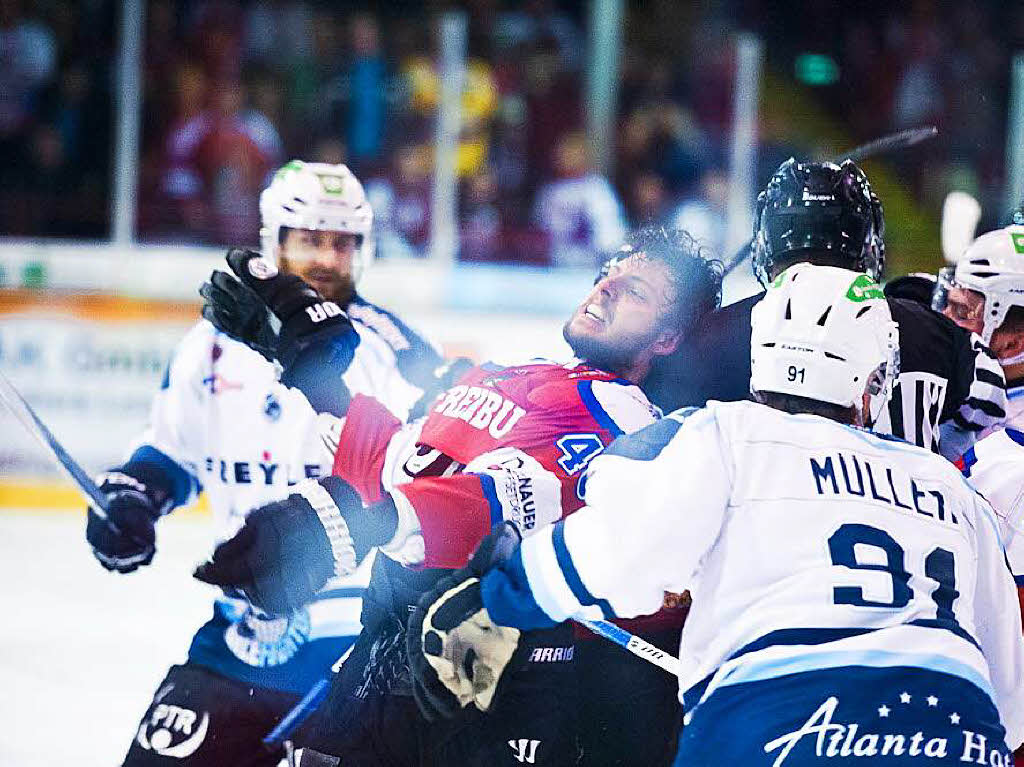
[[284, 170], [864, 288], [1017, 238], [331, 184]]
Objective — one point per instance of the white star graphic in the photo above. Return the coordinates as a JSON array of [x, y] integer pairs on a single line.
[[883, 711], [933, 701], [954, 718], [904, 697]]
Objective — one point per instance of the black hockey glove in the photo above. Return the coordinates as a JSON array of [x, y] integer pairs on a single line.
[[287, 551], [306, 317], [240, 313], [457, 654], [126, 540]]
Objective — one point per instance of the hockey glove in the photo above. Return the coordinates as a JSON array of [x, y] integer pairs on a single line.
[[306, 317], [457, 654], [239, 312], [287, 551], [126, 539]]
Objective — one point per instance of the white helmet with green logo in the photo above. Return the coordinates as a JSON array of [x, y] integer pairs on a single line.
[[313, 195], [994, 266], [825, 334]]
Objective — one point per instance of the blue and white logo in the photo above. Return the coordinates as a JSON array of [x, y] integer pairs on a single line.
[[272, 407]]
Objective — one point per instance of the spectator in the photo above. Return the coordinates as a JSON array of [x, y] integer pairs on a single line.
[[480, 218], [401, 204], [277, 32], [218, 162], [553, 106], [366, 110], [704, 214], [579, 209], [28, 61], [536, 20], [647, 198]]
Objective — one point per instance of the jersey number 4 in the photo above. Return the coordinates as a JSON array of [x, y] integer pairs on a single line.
[[939, 566], [577, 451]]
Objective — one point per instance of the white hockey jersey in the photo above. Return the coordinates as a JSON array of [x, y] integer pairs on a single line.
[[1014, 410], [230, 428], [806, 545], [995, 467]]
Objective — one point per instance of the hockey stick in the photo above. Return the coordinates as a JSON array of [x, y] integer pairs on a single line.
[[24, 413], [301, 711], [901, 140], [634, 644]]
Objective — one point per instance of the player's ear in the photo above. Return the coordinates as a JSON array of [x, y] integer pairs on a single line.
[[666, 343], [1007, 345], [863, 412]]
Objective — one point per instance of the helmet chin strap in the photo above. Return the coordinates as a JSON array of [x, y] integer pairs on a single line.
[[1014, 360]]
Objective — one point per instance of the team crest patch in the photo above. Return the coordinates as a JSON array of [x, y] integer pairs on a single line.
[[272, 407], [170, 730], [262, 269], [259, 640]]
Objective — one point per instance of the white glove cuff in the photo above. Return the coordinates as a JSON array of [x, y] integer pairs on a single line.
[[334, 525]]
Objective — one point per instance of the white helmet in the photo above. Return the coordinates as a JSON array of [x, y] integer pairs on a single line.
[[825, 334], [315, 195], [994, 266]]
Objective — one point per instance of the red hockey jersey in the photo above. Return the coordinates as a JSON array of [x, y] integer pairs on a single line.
[[504, 443]]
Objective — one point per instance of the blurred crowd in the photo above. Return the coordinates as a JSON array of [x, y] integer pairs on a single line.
[[233, 89]]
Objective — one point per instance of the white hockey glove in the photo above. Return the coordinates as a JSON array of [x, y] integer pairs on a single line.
[[457, 654]]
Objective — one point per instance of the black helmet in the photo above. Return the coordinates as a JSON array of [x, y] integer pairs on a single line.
[[818, 207]]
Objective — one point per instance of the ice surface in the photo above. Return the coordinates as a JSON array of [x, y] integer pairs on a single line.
[[82, 650]]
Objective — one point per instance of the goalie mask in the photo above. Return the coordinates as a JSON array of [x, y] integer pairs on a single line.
[[818, 208], [825, 334], [321, 197], [993, 268]]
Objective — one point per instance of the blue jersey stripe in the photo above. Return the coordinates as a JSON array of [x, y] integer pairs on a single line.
[[586, 391], [572, 576], [771, 669], [1015, 435], [799, 637], [819, 636], [181, 484], [487, 484], [506, 594], [969, 459], [816, 636]]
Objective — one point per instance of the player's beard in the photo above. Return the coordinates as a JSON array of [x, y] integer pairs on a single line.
[[330, 283], [612, 356]]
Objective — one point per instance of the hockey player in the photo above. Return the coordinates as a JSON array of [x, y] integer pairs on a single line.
[[995, 467], [850, 594], [984, 293], [506, 443], [224, 423], [950, 386]]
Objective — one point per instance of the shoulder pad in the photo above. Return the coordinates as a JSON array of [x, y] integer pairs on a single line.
[[623, 403], [647, 444]]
